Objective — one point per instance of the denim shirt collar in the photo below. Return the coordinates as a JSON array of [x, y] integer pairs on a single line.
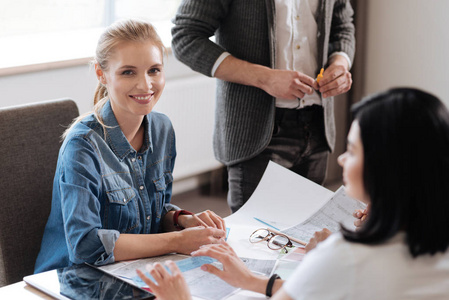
[[115, 137]]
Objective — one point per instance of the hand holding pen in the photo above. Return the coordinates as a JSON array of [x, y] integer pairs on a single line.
[[335, 79]]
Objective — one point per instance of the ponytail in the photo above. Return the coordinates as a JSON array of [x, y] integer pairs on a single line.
[[100, 93]]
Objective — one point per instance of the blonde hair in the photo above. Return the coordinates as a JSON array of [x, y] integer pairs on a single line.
[[130, 30]]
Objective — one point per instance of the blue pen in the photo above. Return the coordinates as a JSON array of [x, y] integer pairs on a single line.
[[263, 222]]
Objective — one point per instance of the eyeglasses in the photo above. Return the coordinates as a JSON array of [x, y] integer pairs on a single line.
[[276, 241]]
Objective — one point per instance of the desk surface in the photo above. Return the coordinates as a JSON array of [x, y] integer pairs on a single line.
[[21, 290]]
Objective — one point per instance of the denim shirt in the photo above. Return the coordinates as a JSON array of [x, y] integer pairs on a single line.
[[103, 187]]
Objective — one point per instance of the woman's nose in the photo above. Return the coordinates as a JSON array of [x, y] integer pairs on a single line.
[[145, 82], [341, 159]]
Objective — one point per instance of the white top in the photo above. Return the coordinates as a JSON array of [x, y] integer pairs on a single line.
[[338, 269]]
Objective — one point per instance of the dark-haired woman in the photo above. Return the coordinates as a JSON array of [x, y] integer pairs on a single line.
[[397, 161]]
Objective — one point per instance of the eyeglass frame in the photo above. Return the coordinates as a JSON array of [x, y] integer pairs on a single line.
[[272, 234]]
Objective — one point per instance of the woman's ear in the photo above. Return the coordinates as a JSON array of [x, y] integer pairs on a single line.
[[100, 74]]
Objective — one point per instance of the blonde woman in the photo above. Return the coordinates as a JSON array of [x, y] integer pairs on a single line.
[[113, 181]]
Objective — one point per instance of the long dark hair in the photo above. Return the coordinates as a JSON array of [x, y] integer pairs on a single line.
[[405, 137]]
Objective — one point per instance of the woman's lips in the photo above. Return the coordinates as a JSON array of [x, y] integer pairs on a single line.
[[142, 99]]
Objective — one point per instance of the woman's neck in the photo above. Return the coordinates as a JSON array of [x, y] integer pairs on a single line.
[[133, 131]]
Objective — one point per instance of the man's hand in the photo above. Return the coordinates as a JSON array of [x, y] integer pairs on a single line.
[[278, 83], [287, 84], [336, 78]]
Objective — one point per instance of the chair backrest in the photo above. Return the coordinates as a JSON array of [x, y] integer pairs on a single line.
[[30, 138]]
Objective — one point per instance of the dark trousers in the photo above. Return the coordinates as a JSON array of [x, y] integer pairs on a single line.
[[298, 143]]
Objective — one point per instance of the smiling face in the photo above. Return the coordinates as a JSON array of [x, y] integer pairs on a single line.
[[134, 79], [352, 162]]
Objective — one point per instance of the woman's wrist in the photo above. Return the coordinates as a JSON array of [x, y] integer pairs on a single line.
[[178, 217], [256, 284]]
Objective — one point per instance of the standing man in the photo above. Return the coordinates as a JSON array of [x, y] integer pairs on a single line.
[[266, 55]]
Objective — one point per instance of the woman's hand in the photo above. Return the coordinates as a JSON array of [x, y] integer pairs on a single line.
[[206, 218], [192, 238], [360, 215], [167, 286], [318, 237], [234, 270]]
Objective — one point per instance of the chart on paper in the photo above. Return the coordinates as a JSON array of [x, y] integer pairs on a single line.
[[338, 210]]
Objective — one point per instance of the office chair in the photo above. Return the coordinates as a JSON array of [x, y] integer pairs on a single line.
[[30, 138]]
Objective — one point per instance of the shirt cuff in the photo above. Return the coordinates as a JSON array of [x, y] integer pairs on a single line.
[[344, 55], [108, 237], [218, 62], [168, 207]]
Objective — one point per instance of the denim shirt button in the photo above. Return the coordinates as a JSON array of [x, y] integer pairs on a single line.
[[133, 159], [148, 217], [139, 157], [141, 187]]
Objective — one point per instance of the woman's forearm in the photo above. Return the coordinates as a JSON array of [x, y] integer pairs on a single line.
[[134, 246]]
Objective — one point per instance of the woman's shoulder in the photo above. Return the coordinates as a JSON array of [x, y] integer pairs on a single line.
[[159, 121], [83, 131], [330, 263], [156, 116]]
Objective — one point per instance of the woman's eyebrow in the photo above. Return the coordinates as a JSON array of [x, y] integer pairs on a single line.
[[127, 67]]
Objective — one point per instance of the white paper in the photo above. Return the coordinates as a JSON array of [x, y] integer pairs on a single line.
[[338, 210], [283, 198]]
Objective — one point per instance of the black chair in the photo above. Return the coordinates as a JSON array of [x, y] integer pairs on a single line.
[[30, 138]]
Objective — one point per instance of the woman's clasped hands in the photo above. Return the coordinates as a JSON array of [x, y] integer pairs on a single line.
[[200, 229], [206, 218]]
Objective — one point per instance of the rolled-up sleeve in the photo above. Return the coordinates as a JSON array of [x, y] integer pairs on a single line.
[[108, 238]]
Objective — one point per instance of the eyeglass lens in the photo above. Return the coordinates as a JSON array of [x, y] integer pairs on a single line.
[[278, 242], [259, 236], [275, 241]]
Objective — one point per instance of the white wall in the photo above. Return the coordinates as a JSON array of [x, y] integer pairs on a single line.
[[408, 45], [189, 101], [77, 83]]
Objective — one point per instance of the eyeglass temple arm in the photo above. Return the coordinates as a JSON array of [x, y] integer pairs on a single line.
[[291, 238]]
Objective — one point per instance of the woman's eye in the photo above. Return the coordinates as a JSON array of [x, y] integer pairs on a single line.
[[127, 72], [154, 70]]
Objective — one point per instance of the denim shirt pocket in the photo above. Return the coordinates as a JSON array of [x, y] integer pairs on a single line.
[[160, 186], [122, 211]]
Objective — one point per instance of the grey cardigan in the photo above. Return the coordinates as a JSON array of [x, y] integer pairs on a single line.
[[244, 116]]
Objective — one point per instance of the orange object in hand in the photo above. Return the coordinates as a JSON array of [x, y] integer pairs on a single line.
[[318, 78]]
